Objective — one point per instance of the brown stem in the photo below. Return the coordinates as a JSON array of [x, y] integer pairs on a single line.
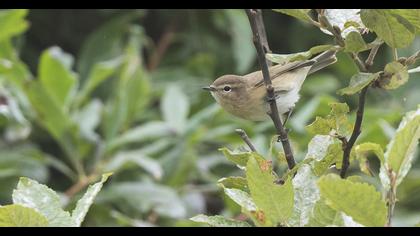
[[372, 54], [81, 184], [348, 145], [257, 26], [356, 132], [246, 139], [162, 46]]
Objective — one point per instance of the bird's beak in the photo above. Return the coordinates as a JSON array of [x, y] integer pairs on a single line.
[[210, 88]]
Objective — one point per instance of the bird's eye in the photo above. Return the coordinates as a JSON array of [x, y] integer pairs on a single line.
[[227, 88]]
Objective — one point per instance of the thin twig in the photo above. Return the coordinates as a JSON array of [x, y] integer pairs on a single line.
[[257, 26], [372, 54], [162, 46], [356, 132], [81, 184], [348, 145], [246, 139], [395, 54]]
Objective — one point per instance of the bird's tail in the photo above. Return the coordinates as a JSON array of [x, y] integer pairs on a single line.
[[323, 60]]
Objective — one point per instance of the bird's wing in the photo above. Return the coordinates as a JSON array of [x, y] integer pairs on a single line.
[[281, 83]]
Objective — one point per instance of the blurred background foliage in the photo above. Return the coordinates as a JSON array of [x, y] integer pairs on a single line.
[[88, 91]]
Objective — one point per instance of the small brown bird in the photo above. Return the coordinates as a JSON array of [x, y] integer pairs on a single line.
[[246, 96]]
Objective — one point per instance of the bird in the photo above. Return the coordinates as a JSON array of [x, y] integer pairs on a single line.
[[246, 96]]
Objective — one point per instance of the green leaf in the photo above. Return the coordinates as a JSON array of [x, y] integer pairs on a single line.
[[23, 160], [49, 113], [83, 205], [100, 72], [175, 108], [56, 76], [333, 155], [299, 56], [242, 46], [358, 82], [395, 30], [234, 182], [142, 197], [242, 198], [30, 193], [412, 15], [20, 216], [395, 75], [361, 152], [301, 14], [88, 118], [306, 195], [124, 158], [348, 20], [323, 215], [336, 121], [96, 49], [320, 126], [355, 43], [141, 133], [275, 201], [132, 88], [361, 201], [318, 146], [240, 158], [12, 23], [219, 221], [400, 150]]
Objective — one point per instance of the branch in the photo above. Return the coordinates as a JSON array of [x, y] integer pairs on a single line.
[[363, 67], [79, 185], [257, 26], [356, 132], [162, 46], [372, 54], [246, 139]]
